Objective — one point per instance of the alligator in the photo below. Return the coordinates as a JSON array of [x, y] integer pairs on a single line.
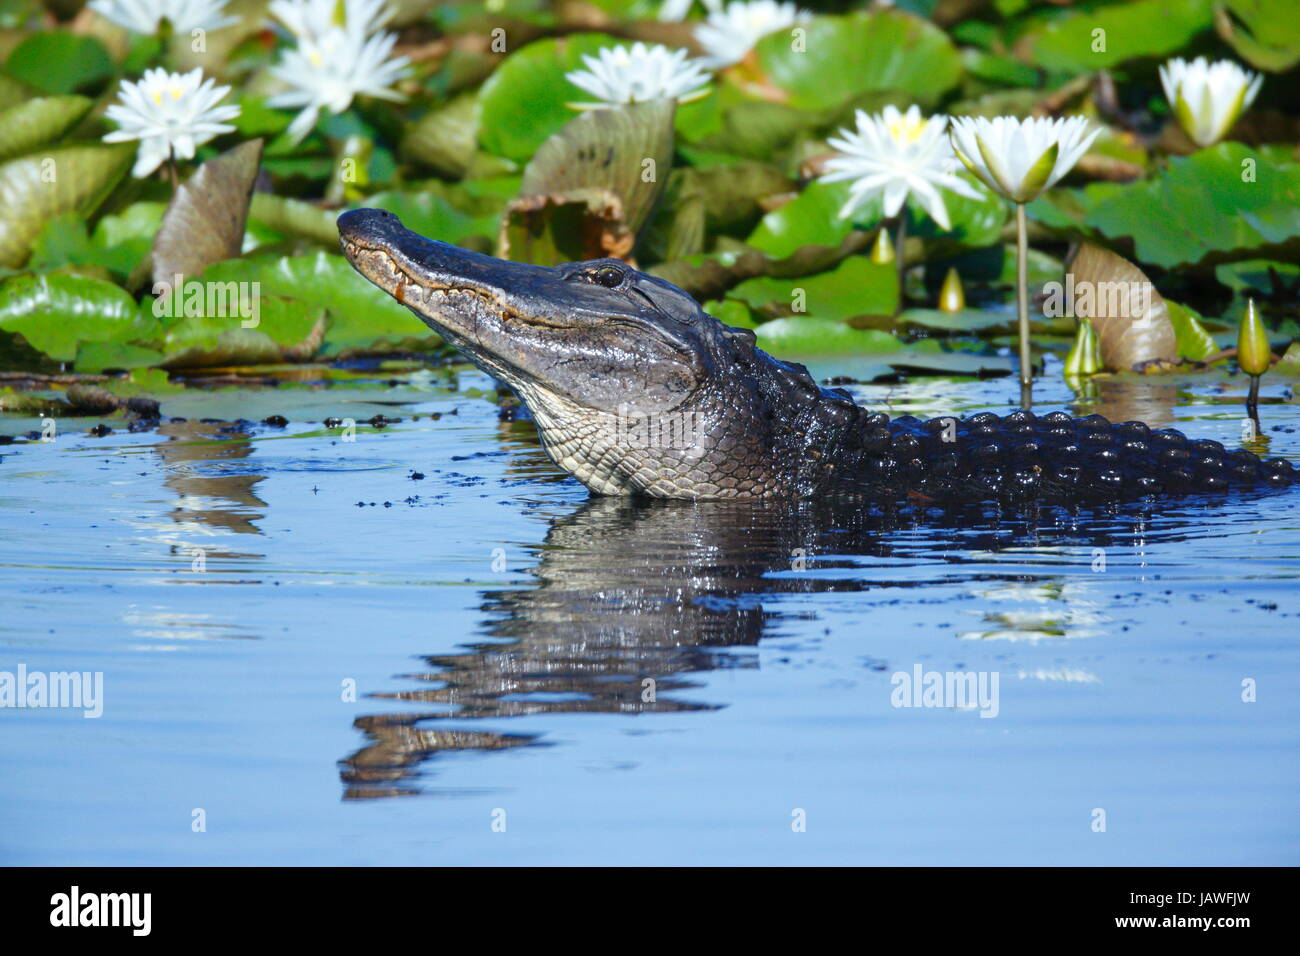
[[635, 389]]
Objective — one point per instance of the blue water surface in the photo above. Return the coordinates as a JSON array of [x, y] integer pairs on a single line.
[[311, 656]]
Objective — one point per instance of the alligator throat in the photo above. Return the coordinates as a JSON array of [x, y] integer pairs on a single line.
[[637, 390]]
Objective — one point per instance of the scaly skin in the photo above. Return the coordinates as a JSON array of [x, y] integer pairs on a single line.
[[637, 390]]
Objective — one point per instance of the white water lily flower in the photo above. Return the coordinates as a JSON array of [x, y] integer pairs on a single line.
[[639, 74], [145, 16], [731, 32], [898, 154], [1020, 158], [1208, 97], [170, 114], [328, 72]]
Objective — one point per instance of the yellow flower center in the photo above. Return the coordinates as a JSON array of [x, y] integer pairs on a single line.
[[906, 130]]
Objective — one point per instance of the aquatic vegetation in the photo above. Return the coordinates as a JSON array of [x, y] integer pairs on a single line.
[[838, 179]]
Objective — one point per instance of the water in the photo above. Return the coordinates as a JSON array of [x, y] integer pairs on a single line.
[[499, 627]]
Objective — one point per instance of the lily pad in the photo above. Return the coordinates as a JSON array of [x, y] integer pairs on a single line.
[[445, 139], [1262, 276], [55, 313], [845, 56], [962, 364], [97, 356], [1194, 342], [1228, 199], [967, 321], [1266, 33], [1138, 28], [810, 335], [36, 122], [359, 313], [810, 219], [295, 218], [856, 287], [65, 179], [58, 61], [523, 102]]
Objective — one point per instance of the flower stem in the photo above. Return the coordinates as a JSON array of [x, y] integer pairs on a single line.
[[1022, 302], [172, 174], [900, 254]]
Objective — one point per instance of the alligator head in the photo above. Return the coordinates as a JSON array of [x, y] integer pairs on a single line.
[[635, 389]]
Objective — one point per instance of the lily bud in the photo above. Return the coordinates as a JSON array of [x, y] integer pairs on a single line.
[[1208, 97], [1085, 354], [882, 252], [1253, 353], [952, 298]]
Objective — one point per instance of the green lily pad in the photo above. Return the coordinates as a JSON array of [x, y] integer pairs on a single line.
[[55, 313], [731, 312], [843, 57], [810, 219], [1261, 276], [523, 102], [1227, 199], [1139, 28], [756, 129], [66, 179], [36, 122], [359, 313], [1266, 33], [445, 139], [1290, 363], [809, 335], [856, 287], [967, 321], [295, 218], [95, 357], [12, 93], [1194, 342], [58, 61]]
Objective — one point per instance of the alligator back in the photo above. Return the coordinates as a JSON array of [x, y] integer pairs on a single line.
[[1054, 458]]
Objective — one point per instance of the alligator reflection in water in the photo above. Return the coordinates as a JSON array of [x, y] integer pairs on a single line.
[[635, 590], [204, 497]]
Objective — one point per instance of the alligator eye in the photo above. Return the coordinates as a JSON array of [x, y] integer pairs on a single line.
[[609, 276]]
